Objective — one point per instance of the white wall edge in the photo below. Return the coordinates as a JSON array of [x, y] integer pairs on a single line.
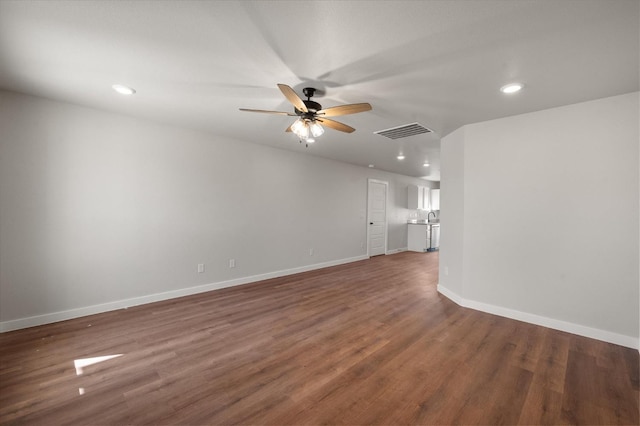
[[34, 321], [580, 330]]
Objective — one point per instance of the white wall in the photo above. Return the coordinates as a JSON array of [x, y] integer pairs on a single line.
[[99, 211], [452, 211], [550, 217]]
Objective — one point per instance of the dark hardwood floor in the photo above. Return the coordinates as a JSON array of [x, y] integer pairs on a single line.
[[370, 342]]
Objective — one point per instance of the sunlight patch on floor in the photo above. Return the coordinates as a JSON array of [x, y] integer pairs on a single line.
[[81, 363]]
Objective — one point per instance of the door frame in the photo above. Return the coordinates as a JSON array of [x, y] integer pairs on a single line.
[[386, 214]]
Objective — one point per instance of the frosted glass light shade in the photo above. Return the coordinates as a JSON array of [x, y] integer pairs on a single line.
[[300, 128], [297, 126], [316, 129], [303, 133]]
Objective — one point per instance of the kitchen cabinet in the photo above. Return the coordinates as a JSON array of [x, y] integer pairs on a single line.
[[435, 199], [423, 237], [418, 197], [417, 237]]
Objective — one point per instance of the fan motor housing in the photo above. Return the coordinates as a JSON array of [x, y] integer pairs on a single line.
[[312, 107]]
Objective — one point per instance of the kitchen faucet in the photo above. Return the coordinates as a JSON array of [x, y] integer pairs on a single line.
[[429, 215]]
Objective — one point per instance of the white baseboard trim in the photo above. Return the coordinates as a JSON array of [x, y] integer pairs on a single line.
[[451, 295], [580, 330], [394, 251], [21, 323]]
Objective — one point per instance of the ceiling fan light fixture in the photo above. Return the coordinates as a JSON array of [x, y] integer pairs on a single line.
[[309, 111]]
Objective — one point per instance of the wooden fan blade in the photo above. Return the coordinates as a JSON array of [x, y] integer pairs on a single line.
[[344, 110], [289, 129], [267, 112], [292, 97], [336, 125]]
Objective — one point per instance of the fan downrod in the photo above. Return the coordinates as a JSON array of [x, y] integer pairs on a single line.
[[309, 92]]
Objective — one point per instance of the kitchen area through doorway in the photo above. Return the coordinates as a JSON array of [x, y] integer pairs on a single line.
[[423, 225]]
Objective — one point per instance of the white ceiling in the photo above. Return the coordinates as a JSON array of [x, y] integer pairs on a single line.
[[439, 63]]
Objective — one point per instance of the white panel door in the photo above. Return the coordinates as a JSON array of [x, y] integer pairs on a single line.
[[377, 214]]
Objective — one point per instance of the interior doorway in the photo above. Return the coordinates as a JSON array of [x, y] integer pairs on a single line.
[[377, 217]]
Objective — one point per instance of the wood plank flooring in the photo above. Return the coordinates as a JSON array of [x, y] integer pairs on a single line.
[[370, 342]]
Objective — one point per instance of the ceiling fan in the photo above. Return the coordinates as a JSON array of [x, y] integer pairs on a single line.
[[311, 116]]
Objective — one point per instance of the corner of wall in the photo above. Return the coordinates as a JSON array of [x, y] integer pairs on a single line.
[[577, 329]]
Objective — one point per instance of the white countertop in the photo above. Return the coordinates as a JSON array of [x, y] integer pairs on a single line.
[[422, 222]]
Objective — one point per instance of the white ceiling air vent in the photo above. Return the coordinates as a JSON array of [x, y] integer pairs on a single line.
[[403, 131]]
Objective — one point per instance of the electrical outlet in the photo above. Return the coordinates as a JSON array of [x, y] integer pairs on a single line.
[[200, 268], [311, 252], [232, 263]]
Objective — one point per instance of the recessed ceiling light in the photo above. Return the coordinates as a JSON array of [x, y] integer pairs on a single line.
[[123, 90], [371, 166], [425, 165], [400, 157], [511, 88]]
